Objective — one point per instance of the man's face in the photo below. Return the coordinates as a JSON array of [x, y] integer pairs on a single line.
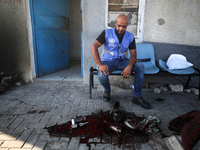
[[121, 25]]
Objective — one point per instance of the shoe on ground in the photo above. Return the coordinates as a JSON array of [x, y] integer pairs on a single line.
[[106, 96], [141, 102]]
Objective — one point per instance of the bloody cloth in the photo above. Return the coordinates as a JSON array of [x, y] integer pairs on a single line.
[[188, 126]]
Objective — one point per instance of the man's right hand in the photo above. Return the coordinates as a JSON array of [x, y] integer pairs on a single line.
[[104, 69]]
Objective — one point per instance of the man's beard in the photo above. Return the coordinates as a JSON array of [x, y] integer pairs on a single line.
[[120, 33]]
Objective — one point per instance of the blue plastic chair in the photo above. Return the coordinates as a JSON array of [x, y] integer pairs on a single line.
[[146, 56], [163, 67]]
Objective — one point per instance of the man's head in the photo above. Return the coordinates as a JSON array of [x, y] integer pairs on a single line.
[[121, 24]]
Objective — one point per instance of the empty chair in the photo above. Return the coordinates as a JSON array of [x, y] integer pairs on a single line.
[[146, 56], [186, 71]]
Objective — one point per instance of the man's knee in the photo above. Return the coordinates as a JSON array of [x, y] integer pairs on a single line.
[[139, 67], [102, 76]]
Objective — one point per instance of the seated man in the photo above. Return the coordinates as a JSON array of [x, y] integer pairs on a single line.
[[117, 41]]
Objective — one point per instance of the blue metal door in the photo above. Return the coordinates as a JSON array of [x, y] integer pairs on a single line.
[[51, 28]]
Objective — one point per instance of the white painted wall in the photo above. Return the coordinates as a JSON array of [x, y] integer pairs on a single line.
[[30, 41], [172, 21], [93, 24]]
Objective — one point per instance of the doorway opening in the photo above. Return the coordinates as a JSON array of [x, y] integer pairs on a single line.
[[73, 19], [73, 73]]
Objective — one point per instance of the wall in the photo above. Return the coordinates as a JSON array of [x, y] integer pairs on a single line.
[[15, 52], [172, 26], [75, 25], [93, 24], [172, 21], [30, 39]]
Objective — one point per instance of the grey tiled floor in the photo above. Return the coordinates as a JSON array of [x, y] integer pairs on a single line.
[[26, 110], [56, 98]]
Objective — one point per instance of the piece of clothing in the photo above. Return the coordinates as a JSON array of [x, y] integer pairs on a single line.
[[188, 126], [102, 40], [138, 68], [149, 124], [113, 49], [178, 61]]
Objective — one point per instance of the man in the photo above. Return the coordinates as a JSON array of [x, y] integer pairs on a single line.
[[117, 41]]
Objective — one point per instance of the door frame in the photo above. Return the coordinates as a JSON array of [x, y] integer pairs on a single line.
[[34, 37]]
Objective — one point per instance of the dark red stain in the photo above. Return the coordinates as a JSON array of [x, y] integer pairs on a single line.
[[99, 126]]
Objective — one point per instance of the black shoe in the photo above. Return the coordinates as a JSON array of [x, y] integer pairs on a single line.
[[141, 102], [106, 96]]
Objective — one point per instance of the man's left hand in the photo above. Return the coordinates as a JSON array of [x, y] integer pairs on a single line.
[[126, 72]]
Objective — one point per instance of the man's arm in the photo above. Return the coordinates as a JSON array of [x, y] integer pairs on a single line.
[[132, 60], [95, 53]]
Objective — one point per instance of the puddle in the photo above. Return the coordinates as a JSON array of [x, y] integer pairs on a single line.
[[99, 126]]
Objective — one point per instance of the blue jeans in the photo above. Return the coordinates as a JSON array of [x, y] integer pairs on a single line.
[[138, 68]]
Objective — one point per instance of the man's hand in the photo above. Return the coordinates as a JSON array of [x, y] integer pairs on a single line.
[[126, 72], [104, 69]]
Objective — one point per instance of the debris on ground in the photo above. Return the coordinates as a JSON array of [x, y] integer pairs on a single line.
[[195, 91], [7, 81], [114, 124], [175, 88]]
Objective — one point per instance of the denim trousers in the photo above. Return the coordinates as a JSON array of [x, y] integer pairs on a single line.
[[137, 68]]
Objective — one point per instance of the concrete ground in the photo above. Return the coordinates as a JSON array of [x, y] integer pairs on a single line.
[[27, 109], [56, 98]]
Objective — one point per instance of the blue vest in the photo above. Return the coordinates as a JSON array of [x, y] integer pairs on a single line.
[[114, 50]]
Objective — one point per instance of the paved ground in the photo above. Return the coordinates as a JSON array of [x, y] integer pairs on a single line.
[[26, 110]]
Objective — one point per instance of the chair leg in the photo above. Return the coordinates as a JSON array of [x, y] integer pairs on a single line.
[[91, 80], [188, 81], [199, 86], [90, 85]]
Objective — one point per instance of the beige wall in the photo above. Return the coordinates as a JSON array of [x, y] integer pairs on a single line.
[[93, 24], [172, 21], [14, 47], [75, 26]]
